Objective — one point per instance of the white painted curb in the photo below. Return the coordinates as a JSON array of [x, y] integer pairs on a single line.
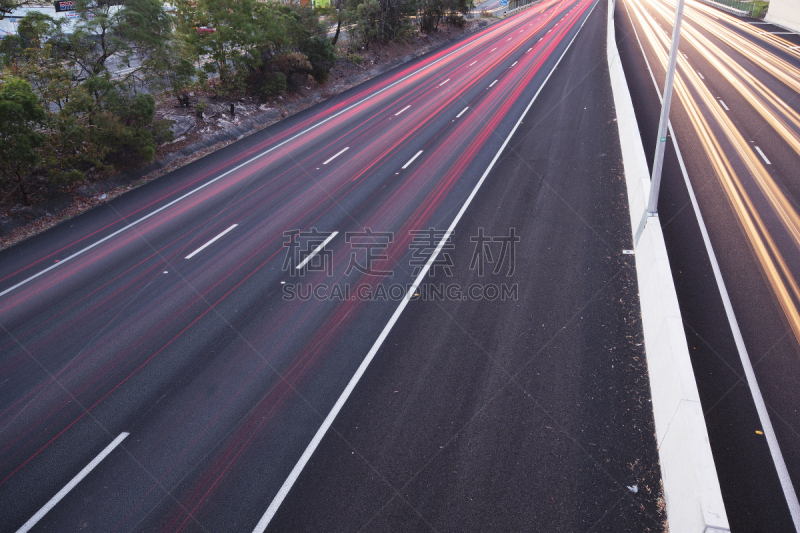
[[691, 488]]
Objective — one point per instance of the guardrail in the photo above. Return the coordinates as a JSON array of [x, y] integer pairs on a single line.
[[729, 9], [519, 5]]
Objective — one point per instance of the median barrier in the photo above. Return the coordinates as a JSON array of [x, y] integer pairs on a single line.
[[691, 487]]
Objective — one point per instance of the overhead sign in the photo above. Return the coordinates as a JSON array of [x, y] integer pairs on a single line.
[[64, 5]]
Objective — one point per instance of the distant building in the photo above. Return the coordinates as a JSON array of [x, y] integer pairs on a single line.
[[58, 9]]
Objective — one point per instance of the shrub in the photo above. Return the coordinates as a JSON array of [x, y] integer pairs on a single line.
[[70, 176], [200, 107], [319, 51], [274, 83], [295, 67]]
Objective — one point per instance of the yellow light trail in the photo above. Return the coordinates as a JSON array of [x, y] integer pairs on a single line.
[[712, 13], [707, 116]]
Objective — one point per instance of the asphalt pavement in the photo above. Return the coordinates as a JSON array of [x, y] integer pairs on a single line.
[[166, 359], [526, 415]]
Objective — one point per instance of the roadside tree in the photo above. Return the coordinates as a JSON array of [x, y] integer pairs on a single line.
[[21, 116]]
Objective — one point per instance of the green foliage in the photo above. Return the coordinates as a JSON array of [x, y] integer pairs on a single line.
[[295, 67], [179, 77], [108, 37], [759, 9], [274, 83], [320, 52], [355, 58], [160, 60], [200, 107], [387, 20], [234, 30], [257, 67], [106, 124], [37, 27], [322, 56], [366, 20], [253, 45], [433, 11], [68, 176], [30, 57], [755, 8], [82, 110], [7, 6], [21, 115], [95, 38], [93, 121], [144, 25]]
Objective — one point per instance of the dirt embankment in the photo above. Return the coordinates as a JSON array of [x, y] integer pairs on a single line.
[[198, 135]]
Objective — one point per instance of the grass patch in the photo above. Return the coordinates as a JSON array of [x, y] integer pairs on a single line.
[[760, 9], [354, 58]]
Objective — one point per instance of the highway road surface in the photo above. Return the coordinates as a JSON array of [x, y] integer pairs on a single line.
[[736, 119], [437, 256]]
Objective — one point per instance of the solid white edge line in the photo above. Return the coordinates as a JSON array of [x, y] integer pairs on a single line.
[[762, 155], [723, 104], [445, 81], [234, 169], [326, 424], [492, 84], [462, 112], [340, 152], [761, 408], [317, 249], [71, 485], [405, 108], [411, 160], [209, 243]]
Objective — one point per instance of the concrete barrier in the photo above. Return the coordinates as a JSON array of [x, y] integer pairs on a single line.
[[691, 487], [784, 14]]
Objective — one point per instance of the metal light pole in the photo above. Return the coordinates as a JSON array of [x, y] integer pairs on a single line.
[[661, 143]]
